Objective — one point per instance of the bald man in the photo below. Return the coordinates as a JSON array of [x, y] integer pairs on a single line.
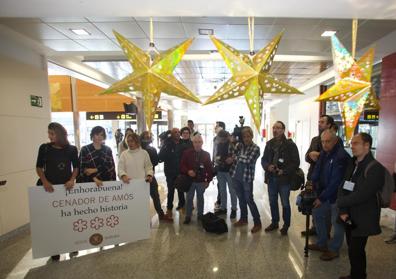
[[327, 176]]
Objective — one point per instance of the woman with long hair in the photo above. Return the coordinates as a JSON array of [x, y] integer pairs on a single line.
[[57, 162], [123, 145], [96, 159]]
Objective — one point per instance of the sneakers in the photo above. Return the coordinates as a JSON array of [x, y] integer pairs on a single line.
[[284, 230], [220, 212], [187, 220], [165, 218], [240, 223], [391, 240], [256, 228], [315, 247], [311, 232], [233, 214], [271, 228], [328, 256]]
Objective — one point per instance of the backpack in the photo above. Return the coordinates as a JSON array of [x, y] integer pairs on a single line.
[[385, 194], [212, 223], [297, 180]]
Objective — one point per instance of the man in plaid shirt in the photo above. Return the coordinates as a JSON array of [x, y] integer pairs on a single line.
[[244, 157]]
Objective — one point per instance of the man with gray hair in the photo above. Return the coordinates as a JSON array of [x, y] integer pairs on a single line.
[[327, 176]]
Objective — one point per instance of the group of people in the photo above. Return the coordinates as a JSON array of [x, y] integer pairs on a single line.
[[346, 190]]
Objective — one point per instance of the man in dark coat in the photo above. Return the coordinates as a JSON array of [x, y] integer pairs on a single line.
[[280, 161], [358, 202]]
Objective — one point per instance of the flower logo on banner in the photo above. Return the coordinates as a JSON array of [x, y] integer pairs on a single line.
[[80, 225], [112, 221], [97, 223]]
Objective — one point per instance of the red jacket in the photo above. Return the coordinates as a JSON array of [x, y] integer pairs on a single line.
[[203, 168]]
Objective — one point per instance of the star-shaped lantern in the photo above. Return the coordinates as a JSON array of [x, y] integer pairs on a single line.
[[250, 77], [151, 77], [352, 90]]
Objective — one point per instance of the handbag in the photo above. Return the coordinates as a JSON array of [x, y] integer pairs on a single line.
[[183, 182]]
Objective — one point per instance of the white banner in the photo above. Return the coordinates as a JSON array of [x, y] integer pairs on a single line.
[[88, 216]]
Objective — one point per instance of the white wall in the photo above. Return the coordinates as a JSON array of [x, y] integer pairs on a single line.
[[23, 72]]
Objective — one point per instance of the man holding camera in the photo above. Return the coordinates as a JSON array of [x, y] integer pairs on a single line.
[[327, 176], [280, 161]]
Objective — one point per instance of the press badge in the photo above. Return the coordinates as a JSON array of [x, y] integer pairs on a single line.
[[348, 185]]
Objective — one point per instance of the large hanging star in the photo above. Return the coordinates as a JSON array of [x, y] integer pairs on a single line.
[[250, 77], [151, 78], [352, 90]]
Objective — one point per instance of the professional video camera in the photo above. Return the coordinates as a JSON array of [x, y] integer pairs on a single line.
[[306, 199], [237, 133]]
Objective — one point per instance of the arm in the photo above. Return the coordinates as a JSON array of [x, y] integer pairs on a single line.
[[122, 166], [208, 168], [265, 160], [154, 156], [369, 188], [40, 164], [148, 167], [294, 159], [74, 161]]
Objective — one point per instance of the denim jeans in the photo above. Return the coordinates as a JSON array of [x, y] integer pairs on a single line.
[[170, 183], [338, 230], [224, 178], [198, 187], [320, 216], [284, 192], [244, 191]]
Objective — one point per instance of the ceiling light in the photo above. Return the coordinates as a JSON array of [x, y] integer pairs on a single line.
[[205, 31], [80, 32], [328, 33]]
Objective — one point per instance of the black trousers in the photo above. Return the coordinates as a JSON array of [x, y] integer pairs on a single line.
[[357, 254], [155, 196], [170, 183]]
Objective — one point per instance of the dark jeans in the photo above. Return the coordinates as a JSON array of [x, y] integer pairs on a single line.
[[275, 190], [155, 196], [357, 254], [170, 183], [244, 191]]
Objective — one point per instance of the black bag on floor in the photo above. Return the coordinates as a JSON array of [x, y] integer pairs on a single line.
[[212, 223]]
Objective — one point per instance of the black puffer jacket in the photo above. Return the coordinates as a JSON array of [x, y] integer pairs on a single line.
[[170, 154]]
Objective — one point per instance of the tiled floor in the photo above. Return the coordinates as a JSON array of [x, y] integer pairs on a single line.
[[180, 251]]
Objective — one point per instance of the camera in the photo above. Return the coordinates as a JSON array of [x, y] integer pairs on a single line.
[[237, 133], [306, 199]]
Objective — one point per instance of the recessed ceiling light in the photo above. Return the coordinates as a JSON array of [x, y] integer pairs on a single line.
[[328, 33], [205, 31], [80, 32]]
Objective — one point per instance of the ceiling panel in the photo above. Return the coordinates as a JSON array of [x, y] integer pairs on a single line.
[[63, 19], [65, 27], [129, 29], [99, 45], [164, 30], [192, 30], [64, 45], [36, 31]]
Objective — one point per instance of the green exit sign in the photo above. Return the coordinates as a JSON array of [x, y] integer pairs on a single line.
[[36, 101]]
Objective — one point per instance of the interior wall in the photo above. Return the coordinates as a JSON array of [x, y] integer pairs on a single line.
[[23, 72]]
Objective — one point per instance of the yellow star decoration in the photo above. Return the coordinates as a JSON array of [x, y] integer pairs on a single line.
[[352, 90], [151, 78], [250, 77]]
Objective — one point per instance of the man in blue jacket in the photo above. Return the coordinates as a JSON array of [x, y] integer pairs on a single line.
[[327, 176]]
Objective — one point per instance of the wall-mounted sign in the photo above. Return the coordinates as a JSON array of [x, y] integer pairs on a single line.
[[116, 115], [372, 115], [36, 101]]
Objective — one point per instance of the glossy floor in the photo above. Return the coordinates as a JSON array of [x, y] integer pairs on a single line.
[[186, 251]]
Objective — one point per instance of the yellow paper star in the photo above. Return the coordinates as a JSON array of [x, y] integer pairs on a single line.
[[250, 77], [353, 90], [151, 78]]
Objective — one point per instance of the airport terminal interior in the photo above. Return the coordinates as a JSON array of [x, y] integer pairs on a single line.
[[251, 68]]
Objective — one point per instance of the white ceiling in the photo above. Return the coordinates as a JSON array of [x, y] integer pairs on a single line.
[[380, 9]]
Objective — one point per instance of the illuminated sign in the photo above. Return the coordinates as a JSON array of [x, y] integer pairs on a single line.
[[116, 115], [371, 115]]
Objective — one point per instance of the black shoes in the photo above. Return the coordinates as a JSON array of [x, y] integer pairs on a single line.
[[233, 214], [283, 230], [271, 228], [55, 258], [187, 221]]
